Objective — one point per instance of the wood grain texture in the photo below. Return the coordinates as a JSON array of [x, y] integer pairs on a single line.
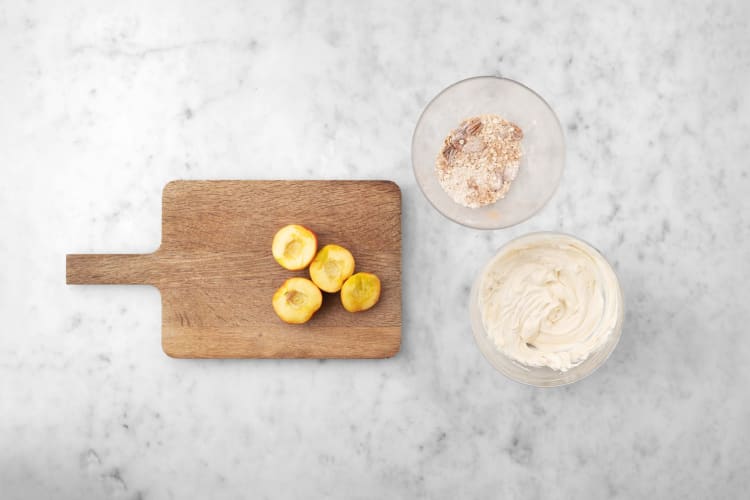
[[216, 274]]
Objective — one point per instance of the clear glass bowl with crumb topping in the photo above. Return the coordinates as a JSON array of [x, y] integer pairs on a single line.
[[543, 148], [608, 309]]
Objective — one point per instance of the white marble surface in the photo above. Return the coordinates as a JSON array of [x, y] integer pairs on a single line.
[[104, 102]]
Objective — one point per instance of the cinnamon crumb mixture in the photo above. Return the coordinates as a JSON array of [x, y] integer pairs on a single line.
[[479, 160]]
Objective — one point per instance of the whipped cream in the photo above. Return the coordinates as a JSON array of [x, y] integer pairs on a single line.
[[549, 300]]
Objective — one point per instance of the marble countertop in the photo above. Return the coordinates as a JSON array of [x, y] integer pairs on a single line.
[[106, 102]]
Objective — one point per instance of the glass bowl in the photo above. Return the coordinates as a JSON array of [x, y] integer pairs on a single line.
[[543, 148], [532, 375]]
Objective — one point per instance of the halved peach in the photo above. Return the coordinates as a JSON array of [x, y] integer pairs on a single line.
[[360, 292], [294, 247], [331, 267], [297, 300]]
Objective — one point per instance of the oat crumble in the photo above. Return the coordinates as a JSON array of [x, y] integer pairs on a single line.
[[479, 160]]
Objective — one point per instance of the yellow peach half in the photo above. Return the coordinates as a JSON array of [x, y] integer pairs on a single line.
[[331, 267], [294, 247], [297, 300], [360, 292]]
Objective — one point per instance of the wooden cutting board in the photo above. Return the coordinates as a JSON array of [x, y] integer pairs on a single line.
[[216, 274]]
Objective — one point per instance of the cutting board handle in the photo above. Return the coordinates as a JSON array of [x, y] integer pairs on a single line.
[[110, 269]]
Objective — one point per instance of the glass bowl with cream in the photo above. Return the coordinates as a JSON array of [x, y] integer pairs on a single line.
[[547, 310]]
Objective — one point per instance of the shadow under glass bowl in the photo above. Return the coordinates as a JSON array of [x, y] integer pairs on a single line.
[[532, 375], [543, 148]]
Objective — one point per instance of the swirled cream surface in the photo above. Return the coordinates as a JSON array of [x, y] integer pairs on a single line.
[[549, 299]]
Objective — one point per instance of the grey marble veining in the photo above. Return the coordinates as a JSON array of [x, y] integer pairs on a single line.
[[105, 102]]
